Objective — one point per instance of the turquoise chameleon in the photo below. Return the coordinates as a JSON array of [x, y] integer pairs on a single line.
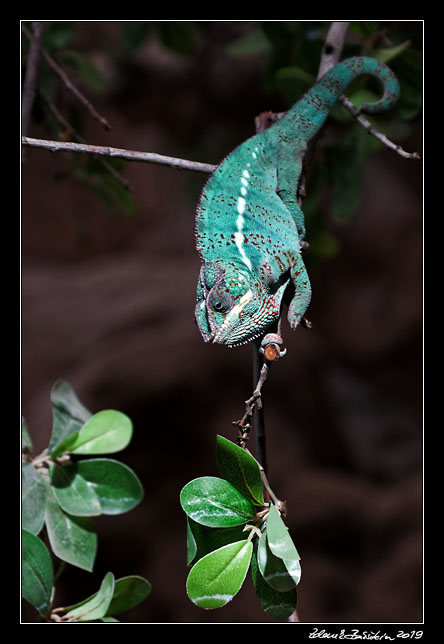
[[249, 227]]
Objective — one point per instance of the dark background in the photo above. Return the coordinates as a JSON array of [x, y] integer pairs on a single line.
[[107, 304]]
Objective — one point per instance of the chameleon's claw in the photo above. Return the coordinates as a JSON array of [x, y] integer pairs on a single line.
[[270, 347]]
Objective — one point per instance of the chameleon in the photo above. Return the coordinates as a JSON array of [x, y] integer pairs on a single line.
[[249, 228]]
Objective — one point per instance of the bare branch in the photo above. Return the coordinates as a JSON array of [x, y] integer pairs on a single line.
[[30, 82], [378, 135], [70, 85], [332, 49], [118, 153]]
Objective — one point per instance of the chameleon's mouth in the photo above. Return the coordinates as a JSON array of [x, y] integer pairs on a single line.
[[218, 333]]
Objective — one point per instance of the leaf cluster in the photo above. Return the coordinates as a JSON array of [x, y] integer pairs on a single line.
[[230, 530], [60, 495]]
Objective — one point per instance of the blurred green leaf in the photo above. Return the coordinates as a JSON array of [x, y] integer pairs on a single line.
[[69, 415], [364, 28], [96, 606], [72, 539], [249, 44], [279, 605], [83, 67], [133, 34], [346, 160], [293, 82], [201, 539], [105, 432], [389, 53], [216, 578], [215, 502], [26, 438], [181, 37], [37, 572], [57, 34], [239, 468], [34, 489]]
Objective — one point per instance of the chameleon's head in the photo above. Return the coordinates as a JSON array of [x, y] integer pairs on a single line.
[[232, 307]]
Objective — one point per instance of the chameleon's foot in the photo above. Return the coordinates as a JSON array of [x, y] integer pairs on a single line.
[[306, 323], [303, 245], [270, 347]]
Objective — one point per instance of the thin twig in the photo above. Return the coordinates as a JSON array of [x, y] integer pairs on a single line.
[[118, 153], [378, 135], [63, 122], [70, 85], [30, 82]]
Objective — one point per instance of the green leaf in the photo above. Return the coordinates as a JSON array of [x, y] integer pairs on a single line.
[[128, 592], [72, 538], [239, 468], [34, 489], [346, 163], [133, 34], [73, 493], [181, 37], [279, 605], [216, 578], [69, 415], [116, 486], [96, 606], [106, 432], [279, 574], [201, 539], [279, 538], [83, 67], [293, 82], [26, 438], [387, 54], [216, 503], [57, 34], [249, 44], [37, 572]]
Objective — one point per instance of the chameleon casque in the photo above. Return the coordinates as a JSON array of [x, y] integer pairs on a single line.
[[249, 228]]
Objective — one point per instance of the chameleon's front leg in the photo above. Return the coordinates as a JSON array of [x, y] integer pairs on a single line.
[[288, 172], [302, 293]]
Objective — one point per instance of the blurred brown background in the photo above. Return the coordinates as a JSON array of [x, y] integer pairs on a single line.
[[107, 304]]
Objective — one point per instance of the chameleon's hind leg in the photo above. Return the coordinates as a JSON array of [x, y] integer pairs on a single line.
[[301, 296]]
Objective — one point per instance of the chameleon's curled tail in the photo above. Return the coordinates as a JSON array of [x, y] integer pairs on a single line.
[[307, 116]]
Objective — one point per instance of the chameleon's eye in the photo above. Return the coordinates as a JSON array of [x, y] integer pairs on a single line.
[[220, 301]]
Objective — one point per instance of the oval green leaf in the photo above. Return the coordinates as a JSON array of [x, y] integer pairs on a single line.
[[216, 503], [106, 432], [128, 592], [72, 539], [216, 578], [279, 538], [72, 492], [37, 572], [96, 606], [68, 413], [239, 468], [279, 605], [279, 574], [114, 484], [202, 540], [33, 498]]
